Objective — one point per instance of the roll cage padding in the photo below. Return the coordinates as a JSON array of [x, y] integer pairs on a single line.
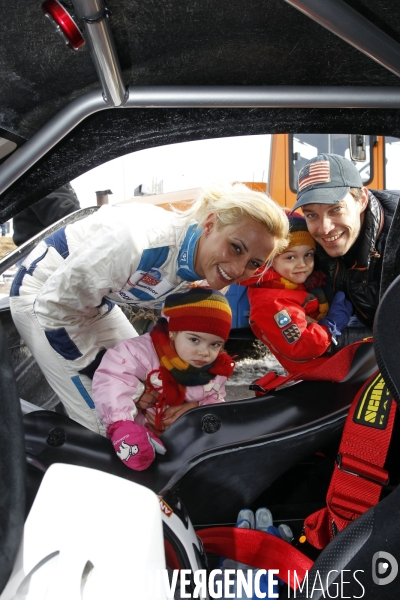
[[12, 466]]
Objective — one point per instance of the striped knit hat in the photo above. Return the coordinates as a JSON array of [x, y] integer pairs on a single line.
[[200, 309], [298, 232]]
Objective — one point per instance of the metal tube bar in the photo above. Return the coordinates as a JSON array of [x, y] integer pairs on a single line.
[[48, 136], [345, 22], [104, 58], [263, 97], [102, 49], [193, 97]]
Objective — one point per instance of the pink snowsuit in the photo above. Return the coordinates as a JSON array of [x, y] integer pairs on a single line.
[[119, 382]]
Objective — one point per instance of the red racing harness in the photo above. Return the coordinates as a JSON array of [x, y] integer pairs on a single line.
[[358, 475]]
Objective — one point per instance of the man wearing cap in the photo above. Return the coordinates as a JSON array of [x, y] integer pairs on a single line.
[[350, 225]]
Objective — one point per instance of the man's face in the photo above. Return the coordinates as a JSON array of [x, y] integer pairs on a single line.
[[336, 226]]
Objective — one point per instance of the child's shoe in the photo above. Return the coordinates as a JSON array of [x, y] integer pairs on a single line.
[[263, 519], [134, 445], [286, 533], [245, 519]]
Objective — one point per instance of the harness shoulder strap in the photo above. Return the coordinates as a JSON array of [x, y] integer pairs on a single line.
[[358, 475]]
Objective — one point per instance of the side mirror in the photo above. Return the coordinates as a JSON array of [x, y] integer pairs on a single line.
[[357, 148]]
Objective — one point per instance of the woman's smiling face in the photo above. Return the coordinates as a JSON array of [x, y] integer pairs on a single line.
[[232, 253]]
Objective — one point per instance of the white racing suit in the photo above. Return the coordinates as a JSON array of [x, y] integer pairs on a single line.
[[63, 297]]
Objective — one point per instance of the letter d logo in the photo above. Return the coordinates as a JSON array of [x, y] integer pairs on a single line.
[[384, 568]]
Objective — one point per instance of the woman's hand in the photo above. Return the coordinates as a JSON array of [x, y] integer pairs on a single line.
[[170, 415], [147, 399]]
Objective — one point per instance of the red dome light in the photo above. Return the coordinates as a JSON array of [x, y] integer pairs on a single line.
[[63, 23]]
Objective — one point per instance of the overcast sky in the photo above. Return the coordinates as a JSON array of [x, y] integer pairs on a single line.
[[179, 167]]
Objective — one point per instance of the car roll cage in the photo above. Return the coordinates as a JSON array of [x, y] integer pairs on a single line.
[[334, 15]]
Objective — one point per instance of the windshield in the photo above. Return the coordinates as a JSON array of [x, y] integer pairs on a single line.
[[175, 167], [304, 146]]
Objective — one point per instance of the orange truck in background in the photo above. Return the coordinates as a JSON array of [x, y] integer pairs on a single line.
[[376, 157], [289, 152]]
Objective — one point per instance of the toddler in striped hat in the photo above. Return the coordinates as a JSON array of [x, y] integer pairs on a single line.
[[145, 383]]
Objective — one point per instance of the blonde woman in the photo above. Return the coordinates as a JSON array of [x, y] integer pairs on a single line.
[[63, 297]]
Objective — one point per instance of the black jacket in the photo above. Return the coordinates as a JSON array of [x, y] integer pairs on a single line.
[[358, 273], [43, 213]]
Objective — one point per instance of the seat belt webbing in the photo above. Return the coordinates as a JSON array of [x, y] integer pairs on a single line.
[[257, 549], [358, 475]]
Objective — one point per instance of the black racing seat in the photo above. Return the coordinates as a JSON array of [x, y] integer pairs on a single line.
[[220, 457], [360, 546], [374, 538], [353, 554]]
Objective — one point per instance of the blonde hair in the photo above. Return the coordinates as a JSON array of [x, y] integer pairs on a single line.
[[233, 202]]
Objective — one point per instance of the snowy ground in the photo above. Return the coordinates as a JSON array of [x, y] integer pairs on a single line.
[[257, 362]]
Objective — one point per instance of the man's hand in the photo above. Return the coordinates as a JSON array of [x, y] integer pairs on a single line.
[[338, 315], [170, 415], [147, 400]]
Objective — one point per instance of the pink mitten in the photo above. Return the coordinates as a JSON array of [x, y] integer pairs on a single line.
[[135, 445]]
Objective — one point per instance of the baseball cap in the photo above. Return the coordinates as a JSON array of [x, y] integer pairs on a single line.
[[326, 179]]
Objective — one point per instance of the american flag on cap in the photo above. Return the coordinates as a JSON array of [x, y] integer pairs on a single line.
[[313, 173]]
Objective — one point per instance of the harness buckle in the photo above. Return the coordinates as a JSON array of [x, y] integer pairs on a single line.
[[381, 478]]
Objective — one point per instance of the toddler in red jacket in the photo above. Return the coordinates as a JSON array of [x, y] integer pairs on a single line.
[[289, 311]]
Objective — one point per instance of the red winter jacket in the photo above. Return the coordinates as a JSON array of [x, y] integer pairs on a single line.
[[278, 319]]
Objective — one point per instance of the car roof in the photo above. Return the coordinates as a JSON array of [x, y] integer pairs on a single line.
[[170, 43]]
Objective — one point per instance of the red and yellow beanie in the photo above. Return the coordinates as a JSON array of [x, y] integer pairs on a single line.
[[298, 232], [200, 309]]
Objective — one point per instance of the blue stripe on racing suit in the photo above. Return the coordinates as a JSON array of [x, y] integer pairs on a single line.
[[58, 240], [81, 389], [152, 258], [140, 295], [17, 282], [60, 341], [107, 302], [186, 254]]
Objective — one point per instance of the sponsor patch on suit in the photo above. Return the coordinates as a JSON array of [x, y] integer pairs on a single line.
[[292, 333], [282, 318]]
